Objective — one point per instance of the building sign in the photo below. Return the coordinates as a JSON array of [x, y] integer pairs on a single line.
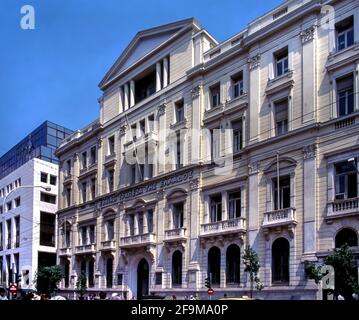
[[150, 187]]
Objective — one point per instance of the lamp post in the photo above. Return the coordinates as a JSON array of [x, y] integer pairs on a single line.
[[3, 219]]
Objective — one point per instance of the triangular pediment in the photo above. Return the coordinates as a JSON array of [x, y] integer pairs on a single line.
[[144, 43]]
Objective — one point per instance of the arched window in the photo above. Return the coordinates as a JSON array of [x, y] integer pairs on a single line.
[[280, 261], [109, 272], [91, 274], [214, 266], [233, 258], [177, 268], [346, 236]]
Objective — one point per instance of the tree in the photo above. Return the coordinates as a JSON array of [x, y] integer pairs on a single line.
[[251, 263], [313, 271], [343, 262], [81, 284], [47, 279]]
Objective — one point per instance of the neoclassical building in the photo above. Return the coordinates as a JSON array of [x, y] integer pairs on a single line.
[[202, 148]]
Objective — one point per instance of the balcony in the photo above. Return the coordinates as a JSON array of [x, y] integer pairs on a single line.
[[174, 235], [138, 240], [89, 170], [280, 217], [108, 245], [149, 138], [110, 160], [280, 83], [231, 226], [86, 249], [68, 178], [340, 208], [65, 252], [340, 58]]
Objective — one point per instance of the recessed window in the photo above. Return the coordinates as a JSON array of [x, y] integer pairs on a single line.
[[47, 229], [84, 160], [237, 83], [281, 62], [215, 95], [9, 206], [17, 202], [280, 13], [68, 167], [53, 180], [216, 208], [281, 117], [345, 33], [345, 95], [84, 191], [179, 163], [43, 177], [142, 124], [111, 145], [68, 196], [346, 180], [234, 205], [284, 193], [93, 155], [93, 188], [179, 111], [134, 131], [49, 198], [177, 215], [110, 180], [237, 135]]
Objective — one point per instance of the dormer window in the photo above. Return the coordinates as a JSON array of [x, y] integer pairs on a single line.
[[281, 62], [215, 95], [237, 82], [345, 33]]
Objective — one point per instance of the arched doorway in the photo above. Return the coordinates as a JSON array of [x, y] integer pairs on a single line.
[[233, 258], [280, 261], [346, 236], [109, 272], [214, 266], [143, 276], [177, 269]]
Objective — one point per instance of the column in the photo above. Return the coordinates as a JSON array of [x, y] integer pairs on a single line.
[[224, 206], [244, 129], [331, 186], [255, 97], [145, 222], [132, 93], [161, 115], [165, 72], [356, 86], [253, 216], [194, 228], [158, 76], [309, 173], [196, 125], [120, 100], [126, 96], [135, 224]]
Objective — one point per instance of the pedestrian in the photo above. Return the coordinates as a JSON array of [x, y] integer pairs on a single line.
[[174, 297], [3, 295]]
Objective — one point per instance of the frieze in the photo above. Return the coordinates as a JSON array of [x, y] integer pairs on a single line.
[[308, 34]]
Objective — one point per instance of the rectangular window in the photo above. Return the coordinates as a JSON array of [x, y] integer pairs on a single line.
[[93, 155], [134, 131], [110, 180], [53, 180], [9, 236], [346, 180], [68, 197], [93, 188], [281, 62], [84, 191], [133, 174], [151, 123], [47, 229], [111, 145], [179, 111], [17, 202], [345, 95], [345, 33], [43, 177], [49, 198], [284, 193], [1, 209], [84, 160], [142, 128], [141, 172], [140, 222], [17, 232], [110, 229], [150, 220], [9, 205], [178, 215], [84, 238], [237, 135], [234, 205], [179, 163], [215, 95], [158, 278], [281, 117], [131, 224], [92, 234], [68, 168], [237, 83], [216, 208]]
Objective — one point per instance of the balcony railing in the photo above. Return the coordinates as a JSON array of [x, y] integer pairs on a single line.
[[86, 248], [226, 226], [279, 217], [65, 252], [108, 245], [343, 207], [138, 240], [175, 234]]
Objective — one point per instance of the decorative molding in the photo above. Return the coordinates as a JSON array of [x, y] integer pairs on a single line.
[[160, 195], [308, 34], [76, 157], [253, 167], [123, 129], [99, 143], [196, 91], [194, 184], [254, 61], [309, 151], [162, 109]]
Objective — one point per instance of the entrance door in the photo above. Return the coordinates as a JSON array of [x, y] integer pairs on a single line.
[[142, 279]]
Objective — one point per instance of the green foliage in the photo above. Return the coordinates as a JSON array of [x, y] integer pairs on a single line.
[[81, 284], [313, 271], [251, 263], [343, 262], [47, 279]]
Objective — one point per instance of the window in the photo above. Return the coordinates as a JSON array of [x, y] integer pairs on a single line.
[[158, 278], [93, 155], [150, 220], [84, 191], [93, 188], [91, 274], [346, 180], [134, 131], [84, 238], [17, 232], [345, 95], [9, 236], [281, 62], [178, 215], [237, 135], [66, 235], [141, 172], [215, 95], [133, 174], [68, 196], [53, 180], [110, 229], [179, 163], [151, 122], [234, 205], [216, 208], [281, 117], [110, 180], [345, 33], [233, 257], [177, 268], [43, 177], [47, 229], [179, 111], [131, 224], [109, 273], [214, 266], [9, 206], [280, 13], [1, 242], [346, 236], [280, 261], [111, 145], [84, 160], [68, 168], [17, 202], [284, 193], [92, 234], [49, 198], [142, 128], [237, 83], [1, 209], [215, 143]]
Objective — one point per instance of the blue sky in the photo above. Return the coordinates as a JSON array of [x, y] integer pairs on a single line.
[[52, 72]]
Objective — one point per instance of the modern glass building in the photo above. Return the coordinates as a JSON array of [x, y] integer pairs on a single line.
[[40, 143]]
